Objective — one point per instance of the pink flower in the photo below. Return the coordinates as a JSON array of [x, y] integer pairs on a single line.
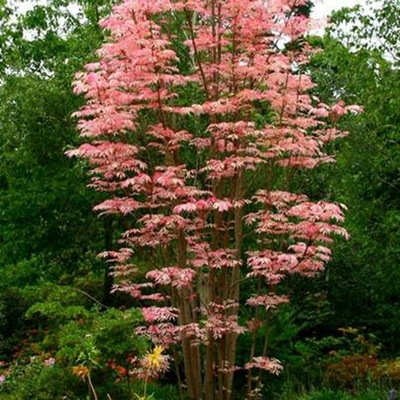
[[49, 362]]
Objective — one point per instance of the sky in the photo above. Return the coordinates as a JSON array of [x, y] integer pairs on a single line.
[[323, 8]]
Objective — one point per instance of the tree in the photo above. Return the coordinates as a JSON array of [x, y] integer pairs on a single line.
[[197, 119], [45, 208], [376, 30], [44, 203]]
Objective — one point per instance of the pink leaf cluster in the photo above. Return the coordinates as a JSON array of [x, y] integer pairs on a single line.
[[269, 364]]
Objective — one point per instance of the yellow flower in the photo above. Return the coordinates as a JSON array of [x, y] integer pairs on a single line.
[[155, 359]]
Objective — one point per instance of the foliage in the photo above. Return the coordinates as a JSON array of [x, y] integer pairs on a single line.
[[374, 26], [329, 394], [364, 273], [59, 342], [48, 39], [43, 197], [48, 233]]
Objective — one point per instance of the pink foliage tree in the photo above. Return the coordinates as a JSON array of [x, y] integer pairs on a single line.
[[198, 113]]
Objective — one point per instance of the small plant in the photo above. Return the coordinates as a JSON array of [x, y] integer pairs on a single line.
[[151, 365], [88, 360]]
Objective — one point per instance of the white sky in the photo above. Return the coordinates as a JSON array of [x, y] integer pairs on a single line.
[[323, 8]]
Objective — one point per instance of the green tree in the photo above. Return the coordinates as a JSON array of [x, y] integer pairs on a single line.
[[363, 280], [47, 229], [375, 26]]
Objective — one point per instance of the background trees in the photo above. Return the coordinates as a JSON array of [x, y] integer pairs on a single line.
[[49, 236], [366, 176]]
